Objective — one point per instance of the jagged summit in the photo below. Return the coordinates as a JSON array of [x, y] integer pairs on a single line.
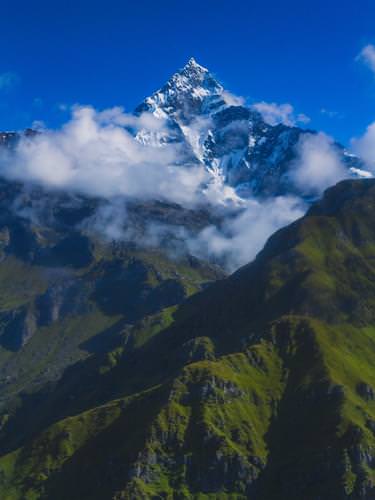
[[190, 92], [193, 65], [232, 141], [193, 62], [193, 76]]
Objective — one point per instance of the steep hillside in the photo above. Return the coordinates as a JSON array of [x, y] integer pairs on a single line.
[[262, 386], [66, 293]]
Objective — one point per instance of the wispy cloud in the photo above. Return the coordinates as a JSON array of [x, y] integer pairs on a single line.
[[240, 238], [364, 146], [367, 56], [232, 100], [8, 80], [330, 113], [318, 164], [274, 113]]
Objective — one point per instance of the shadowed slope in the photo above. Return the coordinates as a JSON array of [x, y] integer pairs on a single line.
[[261, 386]]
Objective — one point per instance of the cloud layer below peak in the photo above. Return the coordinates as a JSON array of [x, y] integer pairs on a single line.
[[118, 157], [97, 154]]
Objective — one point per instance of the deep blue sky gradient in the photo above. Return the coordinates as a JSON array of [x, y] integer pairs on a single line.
[[117, 52]]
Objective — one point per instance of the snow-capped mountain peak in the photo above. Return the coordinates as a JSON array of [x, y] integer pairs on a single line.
[[190, 92], [232, 141], [192, 67]]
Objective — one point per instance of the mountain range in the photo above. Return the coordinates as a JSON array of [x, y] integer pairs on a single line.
[[217, 131], [261, 386], [133, 371]]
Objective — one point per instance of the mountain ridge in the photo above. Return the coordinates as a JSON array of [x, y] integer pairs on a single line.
[[191, 384], [229, 400], [230, 139], [217, 131]]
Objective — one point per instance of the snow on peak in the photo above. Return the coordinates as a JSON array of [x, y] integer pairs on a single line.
[[190, 92], [192, 63], [193, 76], [217, 131], [193, 81]]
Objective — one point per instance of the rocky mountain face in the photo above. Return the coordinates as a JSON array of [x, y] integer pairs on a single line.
[[231, 140], [217, 131], [261, 386]]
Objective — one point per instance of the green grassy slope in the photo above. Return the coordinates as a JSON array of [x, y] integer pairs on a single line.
[[262, 386], [66, 297]]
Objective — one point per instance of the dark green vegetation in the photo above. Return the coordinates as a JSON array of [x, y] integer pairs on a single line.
[[261, 386]]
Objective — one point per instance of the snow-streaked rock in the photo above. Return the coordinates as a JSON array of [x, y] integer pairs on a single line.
[[232, 141]]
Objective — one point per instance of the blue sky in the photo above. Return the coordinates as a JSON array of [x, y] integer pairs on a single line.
[[55, 54]]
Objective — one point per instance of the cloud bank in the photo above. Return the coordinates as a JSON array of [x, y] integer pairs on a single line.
[[318, 164], [119, 158], [97, 154]]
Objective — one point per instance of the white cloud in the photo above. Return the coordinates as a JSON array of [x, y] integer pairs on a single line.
[[365, 146], [113, 155], [96, 155], [241, 237], [231, 99], [8, 80], [367, 55], [109, 220], [274, 113], [318, 165]]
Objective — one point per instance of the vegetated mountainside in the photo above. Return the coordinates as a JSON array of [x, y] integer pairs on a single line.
[[66, 292], [262, 386]]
